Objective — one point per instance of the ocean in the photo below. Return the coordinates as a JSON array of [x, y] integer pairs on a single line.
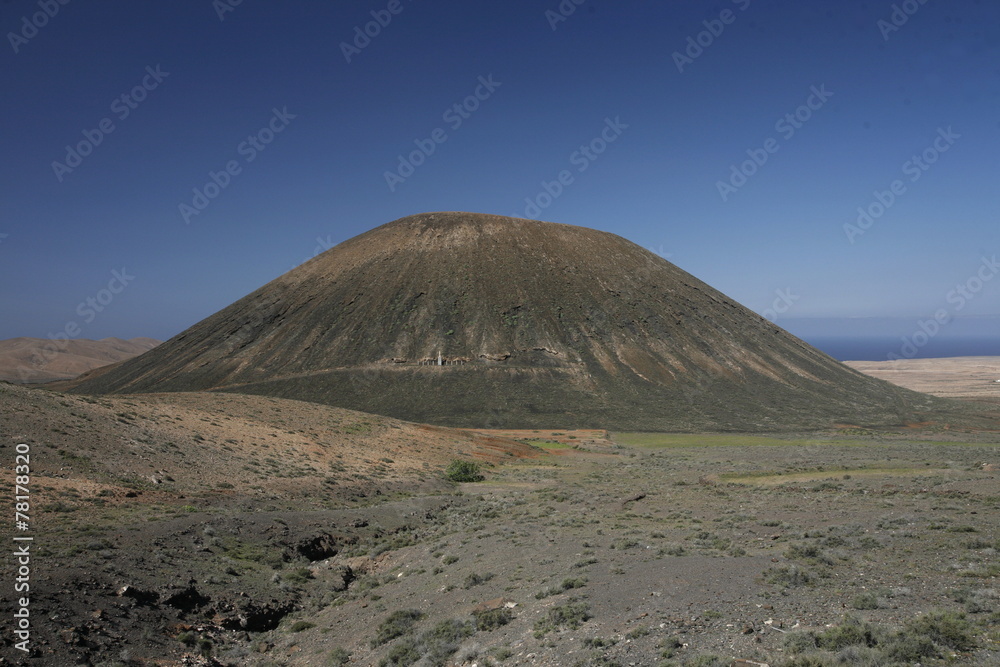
[[878, 348]]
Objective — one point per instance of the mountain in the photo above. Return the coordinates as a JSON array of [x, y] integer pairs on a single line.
[[35, 360], [536, 324]]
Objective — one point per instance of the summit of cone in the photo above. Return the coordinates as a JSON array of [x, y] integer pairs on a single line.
[[535, 324]]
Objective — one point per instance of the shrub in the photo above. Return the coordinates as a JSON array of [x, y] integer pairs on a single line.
[[491, 619], [789, 576], [799, 642], [433, 647], [865, 601], [339, 656], [908, 648], [570, 615], [852, 631], [298, 576], [397, 624], [463, 471], [809, 553], [567, 584], [447, 632], [402, 654], [502, 653], [945, 628], [475, 579]]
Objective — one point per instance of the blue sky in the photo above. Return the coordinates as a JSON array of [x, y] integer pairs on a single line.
[[645, 109]]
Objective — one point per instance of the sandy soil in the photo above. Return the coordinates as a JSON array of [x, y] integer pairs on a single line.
[[954, 377]]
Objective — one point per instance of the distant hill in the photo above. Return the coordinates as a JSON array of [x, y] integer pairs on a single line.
[[37, 360], [536, 324]]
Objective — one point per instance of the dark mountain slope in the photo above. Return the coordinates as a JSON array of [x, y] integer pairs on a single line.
[[538, 324]]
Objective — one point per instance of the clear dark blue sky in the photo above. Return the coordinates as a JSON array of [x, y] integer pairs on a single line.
[[678, 115]]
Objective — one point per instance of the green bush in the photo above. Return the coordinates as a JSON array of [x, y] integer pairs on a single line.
[[567, 584], [434, 647], [339, 656], [475, 579], [865, 601], [945, 628], [447, 632], [570, 615], [463, 471], [789, 576], [397, 624], [799, 642], [852, 631], [402, 654], [491, 619], [857, 642], [298, 576]]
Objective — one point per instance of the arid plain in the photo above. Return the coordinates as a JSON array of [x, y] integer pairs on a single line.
[[223, 529]]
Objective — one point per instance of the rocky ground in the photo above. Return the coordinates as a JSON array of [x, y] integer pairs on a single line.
[[847, 547]]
